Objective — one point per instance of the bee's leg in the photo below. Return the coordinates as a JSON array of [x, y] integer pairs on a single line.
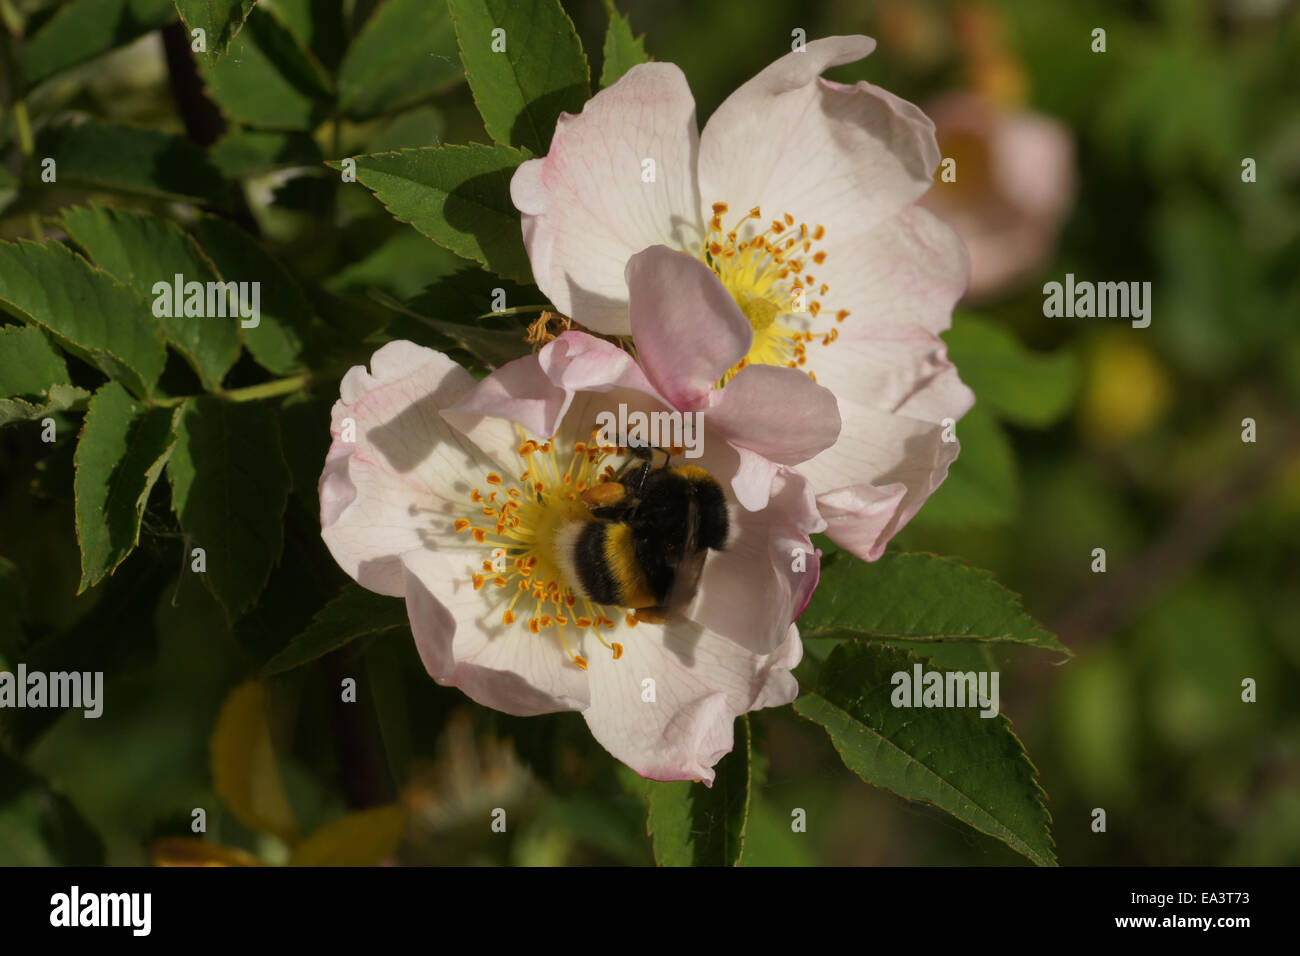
[[643, 454], [651, 615]]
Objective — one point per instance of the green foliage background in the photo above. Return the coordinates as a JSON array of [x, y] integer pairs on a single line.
[[223, 694]]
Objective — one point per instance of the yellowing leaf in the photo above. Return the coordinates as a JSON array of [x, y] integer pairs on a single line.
[[364, 838], [187, 851], [244, 773]]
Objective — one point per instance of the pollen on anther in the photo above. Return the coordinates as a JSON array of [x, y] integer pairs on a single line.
[[617, 648], [479, 535], [508, 617], [534, 626], [461, 524], [493, 478], [478, 580], [719, 208], [841, 315], [580, 662], [632, 620]]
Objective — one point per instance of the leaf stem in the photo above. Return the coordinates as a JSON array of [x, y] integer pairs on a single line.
[[280, 386], [249, 393]]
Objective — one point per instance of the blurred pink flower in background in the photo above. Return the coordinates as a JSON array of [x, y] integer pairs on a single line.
[[1014, 187]]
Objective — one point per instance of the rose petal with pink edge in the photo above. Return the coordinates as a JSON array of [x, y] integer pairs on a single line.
[[586, 205], [702, 682], [505, 668], [518, 391], [779, 413], [845, 157], [576, 361], [389, 489], [688, 329]]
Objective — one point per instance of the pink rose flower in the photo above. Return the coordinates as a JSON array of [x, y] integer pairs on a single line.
[[1014, 187], [454, 495], [800, 197]]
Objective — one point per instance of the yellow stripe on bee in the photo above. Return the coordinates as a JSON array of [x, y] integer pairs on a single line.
[[692, 473], [620, 557]]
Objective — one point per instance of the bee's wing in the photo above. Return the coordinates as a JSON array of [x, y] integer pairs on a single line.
[[686, 577]]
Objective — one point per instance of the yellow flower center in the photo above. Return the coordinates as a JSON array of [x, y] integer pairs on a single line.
[[768, 275], [518, 521]]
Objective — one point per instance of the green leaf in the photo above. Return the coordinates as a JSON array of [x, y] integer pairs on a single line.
[[319, 26], [96, 641], [770, 841], [259, 151], [285, 314], [458, 196], [33, 379], [86, 310], [85, 29], [39, 827], [220, 20], [229, 488], [919, 597], [983, 487], [420, 126], [973, 767], [61, 398], [406, 52], [29, 365], [458, 307], [268, 80], [120, 454], [11, 614], [1023, 387], [131, 160], [142, 250], [694, 825], [622, 50], [355, 613], [522, 90], [387, 665]]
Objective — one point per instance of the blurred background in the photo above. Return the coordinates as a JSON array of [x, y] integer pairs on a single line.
[[1122, 165]]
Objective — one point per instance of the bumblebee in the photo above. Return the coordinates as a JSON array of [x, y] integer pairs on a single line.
[[649, 533]]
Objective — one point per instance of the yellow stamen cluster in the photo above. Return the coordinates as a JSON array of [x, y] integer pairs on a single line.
[[519, 522], [768, 275]]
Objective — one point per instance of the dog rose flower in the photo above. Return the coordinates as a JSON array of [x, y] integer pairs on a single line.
[[800, 198], [449, 493], [1014, 188]]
